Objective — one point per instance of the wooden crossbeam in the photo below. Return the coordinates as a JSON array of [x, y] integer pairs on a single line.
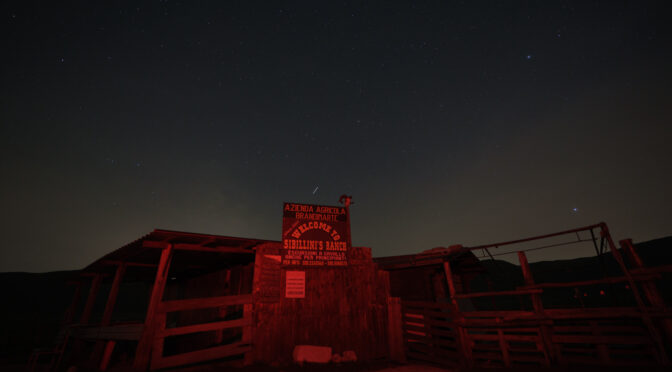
[[500, 293], [204, 327], [197, 247], [202, 303]]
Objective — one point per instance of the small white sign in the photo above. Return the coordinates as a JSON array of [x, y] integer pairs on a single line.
[[295, 284]]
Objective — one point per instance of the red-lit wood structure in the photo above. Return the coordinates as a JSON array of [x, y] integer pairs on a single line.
[[450, 331], [173, 299], [215, 298]]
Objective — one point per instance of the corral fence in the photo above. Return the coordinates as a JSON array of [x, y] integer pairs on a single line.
[[442, 333]]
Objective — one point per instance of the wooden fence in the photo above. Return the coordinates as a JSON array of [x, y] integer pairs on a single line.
[[639, 335], [234, 348], [615, 336]]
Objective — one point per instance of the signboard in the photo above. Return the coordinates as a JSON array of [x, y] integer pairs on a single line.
[[295, 284], [315, 235]]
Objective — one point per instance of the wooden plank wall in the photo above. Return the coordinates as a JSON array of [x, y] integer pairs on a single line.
[[345, 308]]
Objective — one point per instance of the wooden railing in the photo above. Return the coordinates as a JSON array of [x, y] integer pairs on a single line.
[[161, 332], [614, 336], [637, 335], [430, 333]]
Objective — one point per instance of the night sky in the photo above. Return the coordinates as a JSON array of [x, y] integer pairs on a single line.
[[448, 122]]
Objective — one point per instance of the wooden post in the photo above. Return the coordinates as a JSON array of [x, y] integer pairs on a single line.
[[465, 342], [70, 313], [107, 314], [248, 315], [91, 299], [504, 347], [112, 297], [646, 318], [158, 342], [537, 305], [144, 349], [649, 286], [395, 332], [107, 354], [451, 284], [602, 349]]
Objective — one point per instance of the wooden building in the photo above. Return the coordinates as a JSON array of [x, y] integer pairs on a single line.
[[211, 298], [174, 299]]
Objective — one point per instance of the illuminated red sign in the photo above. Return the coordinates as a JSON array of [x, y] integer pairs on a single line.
[[314, 235]]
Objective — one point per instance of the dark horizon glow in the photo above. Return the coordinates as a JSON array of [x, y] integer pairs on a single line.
[[447, 123]]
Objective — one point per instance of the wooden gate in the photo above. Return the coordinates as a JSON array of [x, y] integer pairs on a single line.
[[223, 350], [430, 333]]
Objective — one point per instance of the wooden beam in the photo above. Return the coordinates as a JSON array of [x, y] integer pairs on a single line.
[[159, 341], [515, 292], [610, 280], [610, 339], [112, 297], [216, 249], [661, 351], [504, 347], [586, 313], [90, 299], [545, 344], [242, 322], [463, 337], [504, 314], [248, 331], [451, 284], [99, 349], [649, 286], [107, 354], [144, 348], [395, 330], [70, 313], [202, 303], [198, 248]]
